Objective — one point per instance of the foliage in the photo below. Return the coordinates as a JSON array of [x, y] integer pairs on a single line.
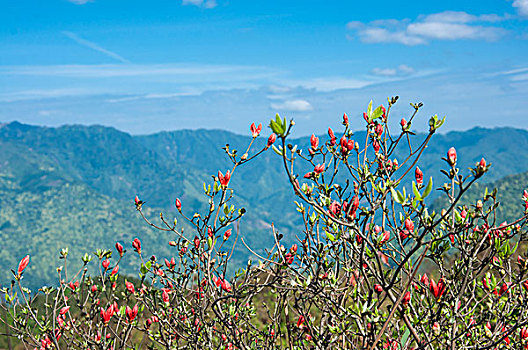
[[352, 279]]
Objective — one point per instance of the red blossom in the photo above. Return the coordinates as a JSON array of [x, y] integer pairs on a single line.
[[255, 130], [319, 168], [224, 179], [437, 289], [131, 312], [227, 234]]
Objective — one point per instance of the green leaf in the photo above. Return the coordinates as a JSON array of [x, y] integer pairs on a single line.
[[378, 112], [440, 122], [369, 110], [416, 192], [330, 236], [405, 337], [429, 187], [395, 195]]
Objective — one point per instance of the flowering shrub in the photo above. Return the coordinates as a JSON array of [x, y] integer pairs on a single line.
[[374, 267]]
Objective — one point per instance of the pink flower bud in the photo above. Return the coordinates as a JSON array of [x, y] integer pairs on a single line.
[[403, 123], [178, 204], [452, 156]]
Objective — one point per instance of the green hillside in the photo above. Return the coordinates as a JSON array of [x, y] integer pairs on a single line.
[[73, 186]]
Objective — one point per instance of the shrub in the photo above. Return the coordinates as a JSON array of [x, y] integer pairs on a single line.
[[373, 267]]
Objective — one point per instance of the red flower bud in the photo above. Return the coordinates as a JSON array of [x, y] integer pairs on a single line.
[[524, 333], [196, 242], [403, 123], [345, 119], [452, 156], [227, 234], [271, 140], [136, 200], [314, 141], [332, 137], [418, 175], [385, 237], [177, 203], [425, 279], [115, 270], [255, 130], [378, 288], [409, 225], [64, 310], [22, 265], [482, 163], [137, 245], [105, 263], [119, 248], [379, 129], [130, 287], [406, 298], [319, 168], [301, 319], [376, 145]]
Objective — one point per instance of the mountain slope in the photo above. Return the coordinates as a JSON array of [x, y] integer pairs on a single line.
[[73, 186]]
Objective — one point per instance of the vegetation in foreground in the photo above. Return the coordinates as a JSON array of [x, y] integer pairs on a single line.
[[353, 278]]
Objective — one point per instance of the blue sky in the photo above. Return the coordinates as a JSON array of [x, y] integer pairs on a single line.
[[144, 67]]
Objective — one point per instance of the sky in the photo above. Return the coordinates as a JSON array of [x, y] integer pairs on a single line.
[[150, 66]]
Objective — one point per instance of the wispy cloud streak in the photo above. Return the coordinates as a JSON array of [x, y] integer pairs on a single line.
[[94, 46]]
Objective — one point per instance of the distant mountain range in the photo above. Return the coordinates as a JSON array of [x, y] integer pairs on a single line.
[[73, 186]]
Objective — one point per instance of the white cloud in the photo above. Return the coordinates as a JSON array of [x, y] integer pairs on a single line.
[[293, 106], [401, 70], [208, 4], [80, 2], [94, 46], [522, 7], [447, 25]]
